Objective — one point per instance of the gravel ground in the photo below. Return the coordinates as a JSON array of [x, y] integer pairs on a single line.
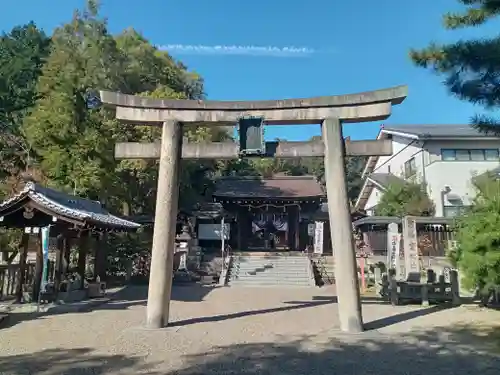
[[250, 331]]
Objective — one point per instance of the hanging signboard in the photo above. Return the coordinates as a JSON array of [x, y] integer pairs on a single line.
[[318, 237], [310, 229]]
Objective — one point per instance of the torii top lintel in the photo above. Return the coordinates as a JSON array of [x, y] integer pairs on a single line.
[[366, 106]]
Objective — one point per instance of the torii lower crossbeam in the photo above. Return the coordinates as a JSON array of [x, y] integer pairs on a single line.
[[230, 150]]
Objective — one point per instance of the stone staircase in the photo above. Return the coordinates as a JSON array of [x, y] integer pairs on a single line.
[[268, 270]]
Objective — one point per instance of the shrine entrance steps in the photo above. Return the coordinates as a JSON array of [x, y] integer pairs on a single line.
[[271, 270]]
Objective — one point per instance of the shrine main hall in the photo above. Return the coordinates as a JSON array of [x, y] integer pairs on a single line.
[[274, 214]]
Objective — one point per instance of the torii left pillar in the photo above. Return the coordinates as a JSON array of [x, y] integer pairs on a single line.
[[162, 255]]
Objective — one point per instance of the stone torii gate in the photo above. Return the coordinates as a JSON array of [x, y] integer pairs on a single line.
[[329, 111]]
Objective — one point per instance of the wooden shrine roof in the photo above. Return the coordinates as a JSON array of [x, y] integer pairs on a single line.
[[278, 187], [55, 204], [386, 220]]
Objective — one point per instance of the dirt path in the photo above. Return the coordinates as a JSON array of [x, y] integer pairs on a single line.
[[251, 331]]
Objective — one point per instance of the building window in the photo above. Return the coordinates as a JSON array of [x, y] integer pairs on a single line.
[[448, 154], [410, 167], [470, 155], [477, 155], [452, 211], [462, 155], [491, 154]]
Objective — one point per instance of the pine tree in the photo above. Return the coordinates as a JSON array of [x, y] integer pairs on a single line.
[[477, 254], [471, 67]]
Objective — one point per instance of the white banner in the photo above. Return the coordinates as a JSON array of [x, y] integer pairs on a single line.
[[393, 246], [183, 262], [45, 253], [318, 237]]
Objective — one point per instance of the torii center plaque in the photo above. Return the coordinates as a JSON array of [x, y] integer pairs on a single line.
[[329, 111]]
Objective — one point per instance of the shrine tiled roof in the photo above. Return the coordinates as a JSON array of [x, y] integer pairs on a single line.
[[284, 187], [66, 205], [436, 131]]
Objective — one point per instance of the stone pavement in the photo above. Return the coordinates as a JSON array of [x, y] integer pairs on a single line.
[[250, 331]]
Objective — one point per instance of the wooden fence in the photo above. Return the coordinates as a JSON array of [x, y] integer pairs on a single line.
[[432, 240], [9, 276]]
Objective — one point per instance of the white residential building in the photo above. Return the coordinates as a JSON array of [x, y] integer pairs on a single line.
[[444, 157]]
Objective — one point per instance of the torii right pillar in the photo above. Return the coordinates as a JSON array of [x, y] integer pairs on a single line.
[[346, 273]]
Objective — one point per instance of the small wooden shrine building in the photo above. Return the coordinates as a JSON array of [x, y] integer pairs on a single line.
[[70, 218], [269, 214], [433, 233]]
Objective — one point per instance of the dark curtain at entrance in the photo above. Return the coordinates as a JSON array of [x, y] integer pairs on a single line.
[[293, 221], [245, 229], [234, 235], [304, 239]]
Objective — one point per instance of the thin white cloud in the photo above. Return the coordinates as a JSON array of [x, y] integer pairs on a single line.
[[238, 50]]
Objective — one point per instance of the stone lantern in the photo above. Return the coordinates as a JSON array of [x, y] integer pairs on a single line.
[[182, 248]]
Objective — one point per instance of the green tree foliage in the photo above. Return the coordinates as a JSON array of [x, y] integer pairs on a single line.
[[44, 82], [153, 73], [313, 166], [354, 166], [354, 170], [22, 53], [471, 67], [407, 198], [477, 254], [148, 69], [74, 144]]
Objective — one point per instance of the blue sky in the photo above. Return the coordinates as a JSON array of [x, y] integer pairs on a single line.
[[359, 45]]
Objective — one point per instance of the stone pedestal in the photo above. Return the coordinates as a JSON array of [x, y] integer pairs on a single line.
[[96, 290]]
